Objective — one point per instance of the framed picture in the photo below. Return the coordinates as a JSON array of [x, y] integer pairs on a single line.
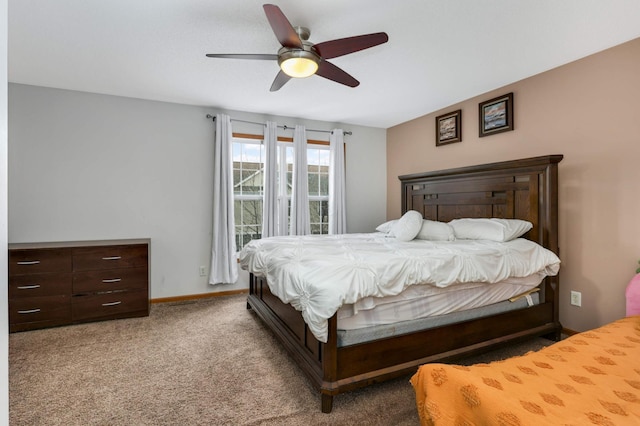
[[448, 128], [496, 115]]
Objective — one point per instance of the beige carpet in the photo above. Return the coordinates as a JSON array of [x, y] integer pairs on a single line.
[[209, 362]]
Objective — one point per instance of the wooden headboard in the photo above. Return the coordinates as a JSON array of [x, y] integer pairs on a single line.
[[520, 189]]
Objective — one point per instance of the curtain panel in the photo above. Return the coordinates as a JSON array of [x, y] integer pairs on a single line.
[[337, 193], [300, 222], [270, 219], [224, 268]]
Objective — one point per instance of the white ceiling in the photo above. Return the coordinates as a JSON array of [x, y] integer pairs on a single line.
[[439, 51]]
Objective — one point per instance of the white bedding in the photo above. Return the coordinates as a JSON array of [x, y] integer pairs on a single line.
[[317, 274]]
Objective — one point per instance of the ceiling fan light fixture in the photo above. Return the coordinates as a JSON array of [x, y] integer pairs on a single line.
[[298, 63]]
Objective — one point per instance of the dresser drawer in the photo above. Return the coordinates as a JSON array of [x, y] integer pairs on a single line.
[[111, 305], [23, 262], [38, 285], [110, 280], [40, 309], [110, 257]]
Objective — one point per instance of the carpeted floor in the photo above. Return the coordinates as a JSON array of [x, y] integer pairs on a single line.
[[209, 362]]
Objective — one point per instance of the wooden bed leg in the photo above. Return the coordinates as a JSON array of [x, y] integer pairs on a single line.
[[555, 336], [327, 403]]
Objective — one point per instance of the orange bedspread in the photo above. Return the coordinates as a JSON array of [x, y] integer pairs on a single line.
[[591, 378]]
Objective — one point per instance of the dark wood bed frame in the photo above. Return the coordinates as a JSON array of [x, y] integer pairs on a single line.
[[522, 189]]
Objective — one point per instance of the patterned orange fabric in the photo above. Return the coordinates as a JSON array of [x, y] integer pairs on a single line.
[[591, 378]]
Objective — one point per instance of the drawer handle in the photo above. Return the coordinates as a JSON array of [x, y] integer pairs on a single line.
[[111, 303], [29, 311], [28, 287], [112, 280], [112, 258], [29, 262]]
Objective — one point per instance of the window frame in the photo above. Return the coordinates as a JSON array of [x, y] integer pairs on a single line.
[[283, 200]]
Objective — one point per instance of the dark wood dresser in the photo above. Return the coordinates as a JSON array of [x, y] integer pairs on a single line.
[[60, 283]]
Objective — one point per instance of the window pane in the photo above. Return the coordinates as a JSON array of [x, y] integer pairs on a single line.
[[314, 211], [289, 155], [252, 212], [318, 160], [324, 212], [324, 184], [248, 217], [236, 178], [237, 213], [248, 169], [248, 158], [319, 216], [324, 157], [313, 160], [313, 179], [252, 153], [237, 152], [252, 181]]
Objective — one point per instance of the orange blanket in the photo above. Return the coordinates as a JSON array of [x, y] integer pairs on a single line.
[[591, 378]]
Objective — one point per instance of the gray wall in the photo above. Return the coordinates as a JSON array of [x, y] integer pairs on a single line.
[[86, 166]]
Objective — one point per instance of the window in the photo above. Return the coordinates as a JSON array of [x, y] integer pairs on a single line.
[[318, 165], [248, 170]]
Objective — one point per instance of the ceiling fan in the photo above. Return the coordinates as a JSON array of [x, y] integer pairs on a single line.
[[299, 58]]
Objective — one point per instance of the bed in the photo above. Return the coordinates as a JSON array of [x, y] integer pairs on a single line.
[[523, 189], [589, 378]]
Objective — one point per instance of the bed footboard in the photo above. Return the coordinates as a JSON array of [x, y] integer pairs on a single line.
[[335, 370], [316, 359]]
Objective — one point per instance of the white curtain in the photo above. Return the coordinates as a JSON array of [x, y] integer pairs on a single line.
[[300, 221], [270, 196], [224, 268], [337, 195]]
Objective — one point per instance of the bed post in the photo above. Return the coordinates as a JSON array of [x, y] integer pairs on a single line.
[[329, 366], [552, 231]]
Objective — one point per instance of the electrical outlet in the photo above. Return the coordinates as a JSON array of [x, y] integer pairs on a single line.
[[576, 298], [203, 271]]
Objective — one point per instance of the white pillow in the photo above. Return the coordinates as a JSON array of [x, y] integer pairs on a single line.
[[435, 231], [493, 229], [387, 226], [408, 226]]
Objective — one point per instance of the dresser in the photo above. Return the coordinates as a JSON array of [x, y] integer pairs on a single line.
[[60, 283]]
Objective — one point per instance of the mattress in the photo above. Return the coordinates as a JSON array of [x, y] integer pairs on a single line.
[[361, 335], [423, 301]]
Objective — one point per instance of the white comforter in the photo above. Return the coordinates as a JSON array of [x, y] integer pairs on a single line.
[[317, 274]]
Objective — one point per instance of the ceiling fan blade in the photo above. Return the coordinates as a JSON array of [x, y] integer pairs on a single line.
[[281, 26], [331, 72], [264, 56], [280, 80], [343, 46]]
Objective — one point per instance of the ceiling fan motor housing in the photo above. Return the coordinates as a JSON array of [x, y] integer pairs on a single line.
[[299, 63]]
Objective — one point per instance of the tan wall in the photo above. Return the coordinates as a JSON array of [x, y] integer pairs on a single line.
[[588, 110]]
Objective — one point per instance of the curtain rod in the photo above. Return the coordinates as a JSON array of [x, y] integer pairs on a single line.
[[285, 127]]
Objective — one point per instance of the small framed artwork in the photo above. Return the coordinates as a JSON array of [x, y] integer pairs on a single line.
[[496, 115], [448, 128]]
